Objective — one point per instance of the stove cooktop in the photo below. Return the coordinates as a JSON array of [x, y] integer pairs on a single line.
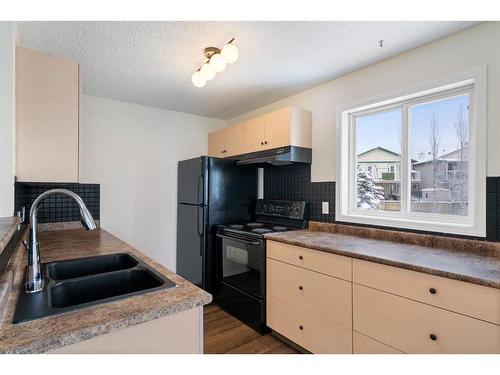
[[256, 228], [271, 216]]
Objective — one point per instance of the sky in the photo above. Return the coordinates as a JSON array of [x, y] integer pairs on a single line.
[[384, 129]]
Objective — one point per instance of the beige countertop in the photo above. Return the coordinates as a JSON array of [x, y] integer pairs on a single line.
[[477, 263], [52, 332]]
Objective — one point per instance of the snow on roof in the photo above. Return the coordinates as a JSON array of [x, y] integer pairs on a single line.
[[379, 148]]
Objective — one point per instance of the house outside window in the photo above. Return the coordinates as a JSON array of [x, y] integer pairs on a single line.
[[416, 159]]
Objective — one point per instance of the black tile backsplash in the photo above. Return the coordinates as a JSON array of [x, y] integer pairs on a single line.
[[293, 182], [57, 208], [493, 208]]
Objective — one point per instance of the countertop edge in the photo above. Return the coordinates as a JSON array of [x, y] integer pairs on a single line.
[[8, 226], [56, 342], [389, 262]]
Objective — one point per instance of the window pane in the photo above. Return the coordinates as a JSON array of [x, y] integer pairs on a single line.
[[378, 165], [439, 151]]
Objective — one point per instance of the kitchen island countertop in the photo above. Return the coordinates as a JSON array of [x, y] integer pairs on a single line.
[[41, 335]]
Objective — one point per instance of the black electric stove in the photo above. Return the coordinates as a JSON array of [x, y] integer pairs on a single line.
[[241, 258]]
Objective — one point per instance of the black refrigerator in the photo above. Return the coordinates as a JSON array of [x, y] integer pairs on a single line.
[[210, 191]]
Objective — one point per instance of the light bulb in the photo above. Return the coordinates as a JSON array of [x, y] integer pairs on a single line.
[[230, 53], [198, 79], [207, 71], [218, 62]]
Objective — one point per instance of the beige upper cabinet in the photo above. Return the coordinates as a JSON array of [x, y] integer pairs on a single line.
[[47, 111], [254, 130], [216, 143], [234, 141], [288, 126], [277, 128]]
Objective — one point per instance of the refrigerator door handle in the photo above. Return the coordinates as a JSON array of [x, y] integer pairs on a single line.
[[200, 232], [202, 199]]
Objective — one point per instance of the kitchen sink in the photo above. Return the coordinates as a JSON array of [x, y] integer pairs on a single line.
[[72, 268], [77, 283], [80, 291]]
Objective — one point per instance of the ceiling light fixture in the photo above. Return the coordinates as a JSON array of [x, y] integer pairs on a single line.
[[216, 63]]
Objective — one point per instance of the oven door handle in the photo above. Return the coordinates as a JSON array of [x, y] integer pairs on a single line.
[[253, 243]]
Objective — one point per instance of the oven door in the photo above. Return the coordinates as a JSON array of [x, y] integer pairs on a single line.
[[242, 264]]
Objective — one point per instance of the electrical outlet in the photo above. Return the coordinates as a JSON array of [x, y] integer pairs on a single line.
[[325, 209]]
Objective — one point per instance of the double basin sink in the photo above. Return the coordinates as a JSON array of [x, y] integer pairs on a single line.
[[76, 283]]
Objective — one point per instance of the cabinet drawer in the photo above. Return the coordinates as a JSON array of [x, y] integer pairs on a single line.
[[319, 261], [408, 325], [362, 344], [324, 295], [470, 299], [318, 335]]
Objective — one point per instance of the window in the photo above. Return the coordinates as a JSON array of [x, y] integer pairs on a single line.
[[416, 159]]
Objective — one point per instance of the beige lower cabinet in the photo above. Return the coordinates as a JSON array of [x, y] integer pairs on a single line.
[[306, 328], [180, 333], [474, 300], [309, 308], [362, 344], [328, 303], [415, 327], [314, 260]]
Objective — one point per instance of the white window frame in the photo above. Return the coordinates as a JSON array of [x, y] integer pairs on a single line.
[[472, 81]]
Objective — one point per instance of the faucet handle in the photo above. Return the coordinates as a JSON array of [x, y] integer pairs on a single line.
[[25, 244]]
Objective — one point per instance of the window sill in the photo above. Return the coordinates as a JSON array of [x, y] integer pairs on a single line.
[[465, 229]]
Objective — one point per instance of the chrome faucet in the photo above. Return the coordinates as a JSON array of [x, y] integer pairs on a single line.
[[34, 279]]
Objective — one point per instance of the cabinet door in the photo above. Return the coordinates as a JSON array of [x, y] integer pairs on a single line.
[[47, 101], [414, 327], [234, 140], [326, 296], [254, 134], [216, 141], [277, 128], [308, 329]]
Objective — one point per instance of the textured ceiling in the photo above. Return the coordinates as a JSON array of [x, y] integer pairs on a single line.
[[151, 63]]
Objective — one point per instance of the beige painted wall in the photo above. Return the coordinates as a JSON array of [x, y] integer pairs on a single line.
[[7, 116], [132, 151], [467, 49]]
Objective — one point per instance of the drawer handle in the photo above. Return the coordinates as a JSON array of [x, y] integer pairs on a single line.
[[301, 257], [432, 291], [301, 287], [301, 327], [265, 142], [262, 143], [433, 337]]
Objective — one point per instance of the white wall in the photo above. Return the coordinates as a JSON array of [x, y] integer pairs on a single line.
[[7, 116], [470, 48], [132, 151]]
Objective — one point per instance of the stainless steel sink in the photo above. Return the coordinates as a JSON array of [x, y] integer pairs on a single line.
[[77, 283]]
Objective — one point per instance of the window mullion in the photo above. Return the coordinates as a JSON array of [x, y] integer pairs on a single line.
[[405, 184]]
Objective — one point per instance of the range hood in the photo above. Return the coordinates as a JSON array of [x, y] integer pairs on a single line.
[[277, 156]]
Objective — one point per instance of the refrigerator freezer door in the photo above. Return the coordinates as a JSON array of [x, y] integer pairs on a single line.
[[190, 243], [191, 182]]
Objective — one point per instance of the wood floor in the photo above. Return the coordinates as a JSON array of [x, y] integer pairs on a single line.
[[224, 334]]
